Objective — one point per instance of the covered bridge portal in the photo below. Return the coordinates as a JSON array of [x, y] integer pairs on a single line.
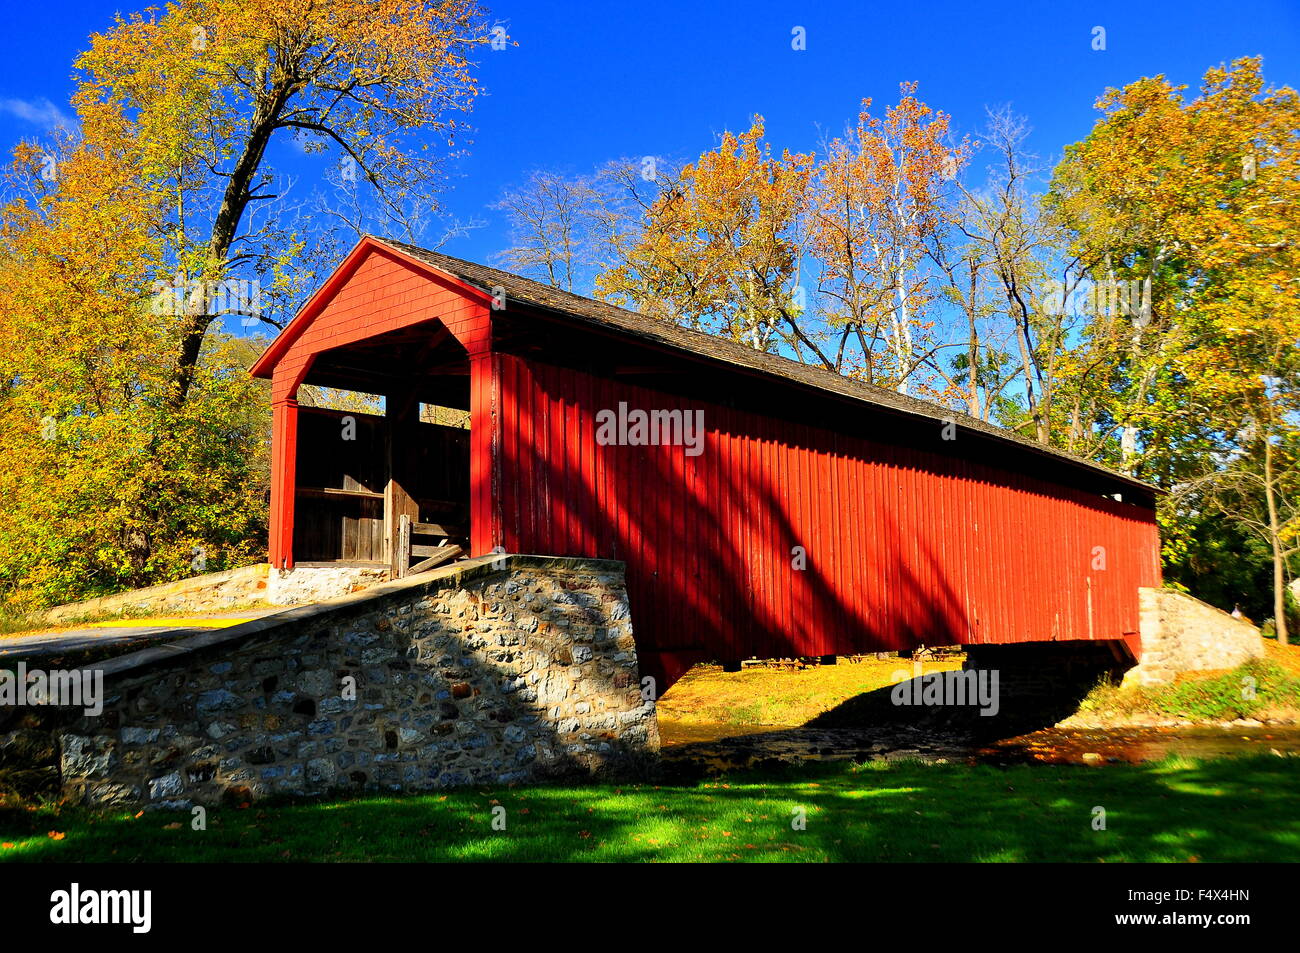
[[813, 515]]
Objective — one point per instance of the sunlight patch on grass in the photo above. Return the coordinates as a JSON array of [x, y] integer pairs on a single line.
[[890, 812]]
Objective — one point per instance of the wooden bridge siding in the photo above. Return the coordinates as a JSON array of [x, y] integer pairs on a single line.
[[373, 292], [904, 546], [379, 293]]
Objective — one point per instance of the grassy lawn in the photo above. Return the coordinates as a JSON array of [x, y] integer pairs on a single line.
[[706, 695], [1176, 810]]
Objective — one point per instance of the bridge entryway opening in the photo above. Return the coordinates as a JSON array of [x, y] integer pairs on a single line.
[[391, 487]]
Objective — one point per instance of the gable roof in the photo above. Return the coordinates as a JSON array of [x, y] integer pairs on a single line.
[[706, 347]]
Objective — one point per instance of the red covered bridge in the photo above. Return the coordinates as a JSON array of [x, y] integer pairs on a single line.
[[812, 515]]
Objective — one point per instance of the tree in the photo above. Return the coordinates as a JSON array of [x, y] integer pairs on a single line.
[[210, 86], [1191, 202], [818, 259], [719, 249], [877, 204], [551, 219], [1009, 240], [135, 441], [106, 484]]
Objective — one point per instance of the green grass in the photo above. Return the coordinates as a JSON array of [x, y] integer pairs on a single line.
[[707, 695], [1217, 698], [1245, 809], [14, 623]]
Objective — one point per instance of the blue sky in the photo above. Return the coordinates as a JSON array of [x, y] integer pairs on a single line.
[[592, 82]]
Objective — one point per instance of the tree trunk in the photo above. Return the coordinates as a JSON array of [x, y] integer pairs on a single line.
[[225, 226], [973, 346], [1279, 561]]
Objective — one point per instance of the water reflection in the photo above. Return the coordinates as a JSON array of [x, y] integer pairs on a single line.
[[719, 747]]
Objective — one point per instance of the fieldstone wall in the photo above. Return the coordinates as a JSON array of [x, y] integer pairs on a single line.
[[465, 675], [1041, 683], [1183, 634], [304, 584]]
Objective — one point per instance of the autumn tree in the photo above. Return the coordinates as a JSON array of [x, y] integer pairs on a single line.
[[720, 248], [134, 437], [818, 258], [878, 201], [1191, 202], [211, 86], [106, 484]]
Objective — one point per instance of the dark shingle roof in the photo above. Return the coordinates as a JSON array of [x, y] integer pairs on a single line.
[[722, 350]]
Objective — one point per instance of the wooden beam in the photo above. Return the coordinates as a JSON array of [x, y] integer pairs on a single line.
[[401, 421], [402, 547], [318, 491], [437, 529], [444, 554], [430, 550]]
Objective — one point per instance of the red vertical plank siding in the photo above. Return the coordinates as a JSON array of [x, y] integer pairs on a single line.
[[904, 546], [509, 445], [486, 455], [284, 454]]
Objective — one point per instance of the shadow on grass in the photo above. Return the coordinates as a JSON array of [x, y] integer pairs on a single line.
[[1243, 809], [1017, 712]]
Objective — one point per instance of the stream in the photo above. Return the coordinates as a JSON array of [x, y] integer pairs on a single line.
[[726, 747]]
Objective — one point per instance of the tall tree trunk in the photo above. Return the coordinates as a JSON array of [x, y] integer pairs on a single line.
[[973, 347], [1279, 561], [234, 201]]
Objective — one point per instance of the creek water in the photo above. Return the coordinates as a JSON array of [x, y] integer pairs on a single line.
[[727, 747], [1133, 745]]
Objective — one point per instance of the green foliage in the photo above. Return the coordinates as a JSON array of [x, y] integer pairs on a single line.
[[1220, 698], [1224, 697], [131, 496], [1218, 562]]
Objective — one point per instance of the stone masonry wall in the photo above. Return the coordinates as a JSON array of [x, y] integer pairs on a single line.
[[303, 584], [1182, 634], [464, 675]]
